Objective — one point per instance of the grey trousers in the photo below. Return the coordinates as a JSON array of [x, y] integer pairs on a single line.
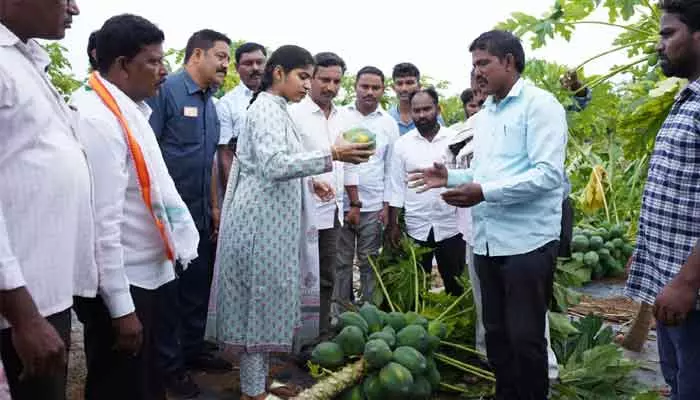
[[363, 240]]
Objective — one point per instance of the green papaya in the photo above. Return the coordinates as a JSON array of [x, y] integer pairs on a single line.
[[395, 378], [411, 359], [386, 336], [377, 353], [421, 389], [397, 320], [413, 336], [350, 318], [596, 242], [351, 340], [579, 243], [370, 314], [328, 355], [433, 375], [591, 258], [373, 388]]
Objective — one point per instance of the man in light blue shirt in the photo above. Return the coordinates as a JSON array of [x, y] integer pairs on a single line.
[[515, 189]]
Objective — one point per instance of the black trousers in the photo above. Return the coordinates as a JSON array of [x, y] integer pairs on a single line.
[[451, 254], [180, 327], [113, 374], [515, 293], [35, 388], [567, 228], [327, 252]]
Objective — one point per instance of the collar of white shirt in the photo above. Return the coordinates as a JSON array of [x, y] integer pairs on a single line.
[[377, 112], [307, 104], [33, 49]]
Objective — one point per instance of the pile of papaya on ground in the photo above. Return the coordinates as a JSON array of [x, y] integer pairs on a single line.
[[410, 341], [379, 355]]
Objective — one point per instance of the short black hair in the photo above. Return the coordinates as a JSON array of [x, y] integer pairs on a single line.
[[369, 70], [205, 40], [405, 69], [248, 47], [688, 11], [430, 91], [92, 45], [466, 96], [500, 43], [124, 35], [328, 59]]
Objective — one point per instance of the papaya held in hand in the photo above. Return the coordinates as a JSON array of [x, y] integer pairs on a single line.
[[361, 135]]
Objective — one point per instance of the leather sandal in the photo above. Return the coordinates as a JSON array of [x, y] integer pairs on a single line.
[[284, 390]]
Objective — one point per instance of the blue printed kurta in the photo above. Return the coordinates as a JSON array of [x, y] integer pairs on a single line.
[[257, 288]]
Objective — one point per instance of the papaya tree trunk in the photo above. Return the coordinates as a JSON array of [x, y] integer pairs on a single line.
[[639, 331], [330, 387]]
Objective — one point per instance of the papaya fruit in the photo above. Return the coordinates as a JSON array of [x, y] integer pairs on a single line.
[[370, 314], [396, 379], [328, 355], [413, 336], [351, 340], [421, 389], [377, 353], [372, 388], [411, 359], [385, 336], [349, 318], [397, 320]]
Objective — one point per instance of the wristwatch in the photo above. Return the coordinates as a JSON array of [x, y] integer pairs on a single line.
[[355, 204]]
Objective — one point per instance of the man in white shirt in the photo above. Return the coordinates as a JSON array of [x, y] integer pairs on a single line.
[[250, 63], [366, 205], [46, 217], [132, 259], [430, 221], [320, 124]]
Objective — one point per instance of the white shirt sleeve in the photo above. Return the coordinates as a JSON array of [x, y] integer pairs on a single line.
[[223, 111], [11, 276], [397, 178], [393, 133], [106, 148]]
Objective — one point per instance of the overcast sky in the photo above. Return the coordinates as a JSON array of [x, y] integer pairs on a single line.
[[433, 34]]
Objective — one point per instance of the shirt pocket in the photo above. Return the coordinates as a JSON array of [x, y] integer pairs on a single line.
[[189, 129], [509, 137]]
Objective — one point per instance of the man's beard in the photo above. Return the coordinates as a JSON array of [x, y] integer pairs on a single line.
[[426, 127]]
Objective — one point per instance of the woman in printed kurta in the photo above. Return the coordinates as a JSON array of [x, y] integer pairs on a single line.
[[257, 291]]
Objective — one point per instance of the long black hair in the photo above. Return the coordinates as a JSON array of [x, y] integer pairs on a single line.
[[288, 57]]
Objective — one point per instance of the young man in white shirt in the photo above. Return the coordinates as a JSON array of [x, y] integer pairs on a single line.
[[430, 221], [250, 60], [132, 258], [366, 205], [320, 124], [46, 217]]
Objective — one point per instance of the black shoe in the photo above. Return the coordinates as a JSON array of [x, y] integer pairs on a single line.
[[208, 362], [182, 386], [210, 347]]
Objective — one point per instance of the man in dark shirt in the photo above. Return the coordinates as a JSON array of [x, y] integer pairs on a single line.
[[186, 125]]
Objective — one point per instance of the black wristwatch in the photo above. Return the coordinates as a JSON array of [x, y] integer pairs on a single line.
[[355, 204]]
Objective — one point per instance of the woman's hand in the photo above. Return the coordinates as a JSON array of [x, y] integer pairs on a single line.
[[354, 153], [323, 190]]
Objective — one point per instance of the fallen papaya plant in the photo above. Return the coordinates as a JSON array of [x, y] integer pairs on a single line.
[[396, 352]]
